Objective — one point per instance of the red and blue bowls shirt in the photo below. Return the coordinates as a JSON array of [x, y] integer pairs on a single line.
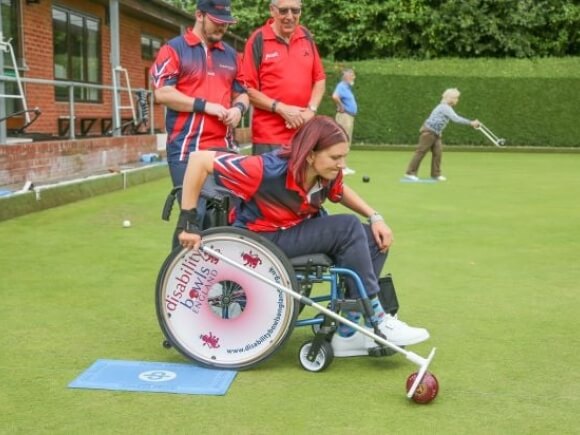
[[271, 199], [193, 69]]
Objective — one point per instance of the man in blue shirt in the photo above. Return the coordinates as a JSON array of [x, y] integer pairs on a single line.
[[346, 107]]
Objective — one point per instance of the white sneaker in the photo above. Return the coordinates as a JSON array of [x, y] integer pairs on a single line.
[[348, 171], [401, 334], [440, 178], [411, 177], [355, 345]]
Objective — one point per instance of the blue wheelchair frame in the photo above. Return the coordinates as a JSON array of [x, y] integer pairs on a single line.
[[308, 269], [336, 294], [316, 354]]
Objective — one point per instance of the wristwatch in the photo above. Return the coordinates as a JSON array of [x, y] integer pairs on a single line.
[[375, 217], [312, 107]]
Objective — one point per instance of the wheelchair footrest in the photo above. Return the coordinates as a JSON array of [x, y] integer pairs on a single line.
[[350, 305], [381, 351]]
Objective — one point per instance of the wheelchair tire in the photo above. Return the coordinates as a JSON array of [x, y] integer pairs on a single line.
[[323, 359], [218, 316]]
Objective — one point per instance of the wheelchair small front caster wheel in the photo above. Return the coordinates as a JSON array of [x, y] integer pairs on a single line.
[[322, 360], [166, 344]]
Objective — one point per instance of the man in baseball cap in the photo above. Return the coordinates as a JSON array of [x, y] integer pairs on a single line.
[[197, 76], [219, 11]]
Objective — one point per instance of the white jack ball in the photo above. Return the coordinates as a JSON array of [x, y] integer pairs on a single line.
[[126, 223]]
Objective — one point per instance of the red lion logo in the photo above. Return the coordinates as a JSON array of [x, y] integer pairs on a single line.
[[210, 340], [251, 259], [212, 259]]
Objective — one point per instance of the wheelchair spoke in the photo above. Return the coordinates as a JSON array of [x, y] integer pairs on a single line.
[[228, 299]]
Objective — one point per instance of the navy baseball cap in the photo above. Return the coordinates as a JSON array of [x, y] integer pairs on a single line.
[[219, 11]]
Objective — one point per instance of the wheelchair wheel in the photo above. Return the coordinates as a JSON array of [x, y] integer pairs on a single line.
[[323, 359], [218, 315]]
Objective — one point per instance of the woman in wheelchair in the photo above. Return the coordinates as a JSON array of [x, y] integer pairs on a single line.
[[281, 198]]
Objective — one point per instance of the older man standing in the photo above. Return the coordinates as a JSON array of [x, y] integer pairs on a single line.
[[284, 76]]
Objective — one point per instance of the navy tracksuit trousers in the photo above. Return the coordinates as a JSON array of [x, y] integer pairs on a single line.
[[343, 238]]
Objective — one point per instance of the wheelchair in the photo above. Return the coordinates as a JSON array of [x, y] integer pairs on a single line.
[[235, 302]]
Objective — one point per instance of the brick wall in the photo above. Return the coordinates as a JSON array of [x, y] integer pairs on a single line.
[[42, 162], [38, 54]]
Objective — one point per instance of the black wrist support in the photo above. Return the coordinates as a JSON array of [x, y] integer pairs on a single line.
[[188, 221], [199, 105], [241, 106]]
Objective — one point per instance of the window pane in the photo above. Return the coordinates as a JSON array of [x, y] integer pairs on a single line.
[[60, 44], [76, 53], [10, 22], [77, 47], [93, 95], [13, 105], [149, 46], [156, 45], [10, 29], [93, 58], [145, 48]]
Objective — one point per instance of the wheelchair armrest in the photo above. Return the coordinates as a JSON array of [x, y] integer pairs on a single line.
[[304, 262]]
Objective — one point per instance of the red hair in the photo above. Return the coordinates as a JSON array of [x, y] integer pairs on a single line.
[[319, 133]]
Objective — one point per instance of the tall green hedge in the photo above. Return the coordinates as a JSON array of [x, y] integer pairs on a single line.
[[427, 29], [528, 102]]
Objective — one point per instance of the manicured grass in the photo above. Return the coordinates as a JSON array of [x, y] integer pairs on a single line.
[[488, 261]]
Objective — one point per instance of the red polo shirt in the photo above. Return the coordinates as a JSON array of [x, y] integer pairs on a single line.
[[271, 198], [286, 72], [193, 69]]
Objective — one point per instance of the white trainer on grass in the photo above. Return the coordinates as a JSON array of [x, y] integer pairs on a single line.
[[401, 334], [355, 345]]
